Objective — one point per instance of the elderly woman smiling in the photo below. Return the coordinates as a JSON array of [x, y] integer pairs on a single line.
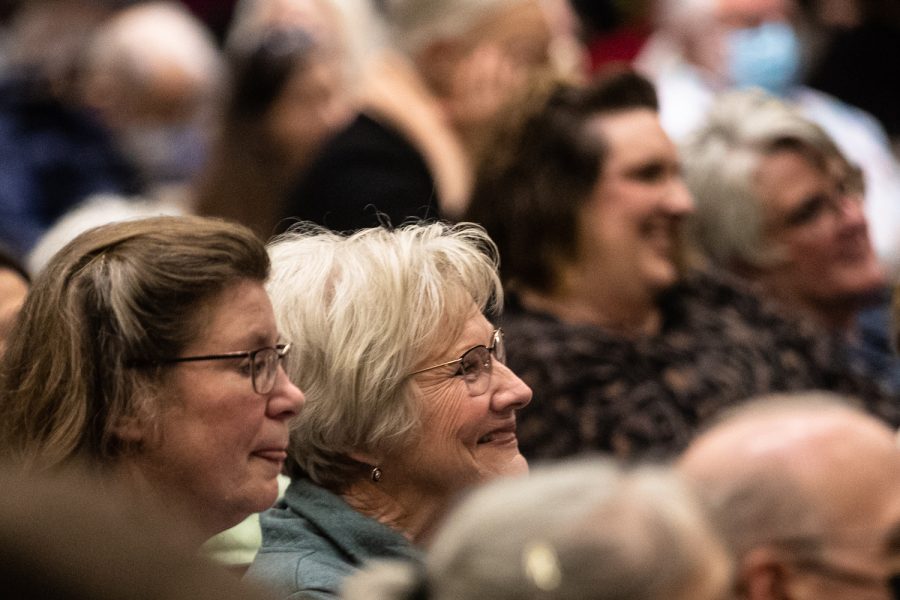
[[408, 398]]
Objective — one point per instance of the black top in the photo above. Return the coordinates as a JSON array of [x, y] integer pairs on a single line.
[[367, 175]]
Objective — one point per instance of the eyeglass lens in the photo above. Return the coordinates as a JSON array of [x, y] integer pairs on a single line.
[[264, 370], [476, 364]]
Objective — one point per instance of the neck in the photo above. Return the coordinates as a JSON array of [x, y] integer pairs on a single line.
[[409, 511], [196, 524], [582, 298]]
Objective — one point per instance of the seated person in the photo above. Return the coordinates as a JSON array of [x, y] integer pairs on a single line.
[[779, 205], [805, 490], [409, 399], [148, 349], [574, 531], [628, 349]]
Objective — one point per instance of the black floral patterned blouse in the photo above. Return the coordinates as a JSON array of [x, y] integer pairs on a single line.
[[718, 345]]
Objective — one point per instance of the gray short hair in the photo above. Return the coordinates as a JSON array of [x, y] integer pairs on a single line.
[[582, 529], [721, 160], [361, 311]]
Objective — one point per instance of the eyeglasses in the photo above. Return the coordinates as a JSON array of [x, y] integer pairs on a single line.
[[475, 364], [263, 364]]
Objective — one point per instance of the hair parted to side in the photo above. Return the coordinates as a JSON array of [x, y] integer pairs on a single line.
[[578, 530], [120, 294], [362, 311], [721, 165], [541, 167]]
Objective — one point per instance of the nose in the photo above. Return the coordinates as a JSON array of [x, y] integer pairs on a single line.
[[286, 399], [510, 392], [678, 201], [850, 209]]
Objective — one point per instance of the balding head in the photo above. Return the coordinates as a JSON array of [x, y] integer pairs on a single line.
[[796, 482]]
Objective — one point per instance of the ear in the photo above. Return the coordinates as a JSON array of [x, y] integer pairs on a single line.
[[762, 575], [129, 429], [365, 458]]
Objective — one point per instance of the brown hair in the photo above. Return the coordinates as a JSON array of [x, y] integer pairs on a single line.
[[540, 169], [115, 296]]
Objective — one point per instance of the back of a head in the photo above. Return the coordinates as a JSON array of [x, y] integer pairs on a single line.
[[73, 536], [721, 160], [360, 310], [790, 470], [116, 296], [575, 531]]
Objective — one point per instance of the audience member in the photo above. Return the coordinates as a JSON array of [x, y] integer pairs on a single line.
[[76, 536], [779, 205], [149, 350], [288, 94], [409, 399], [14, 282], [53, 153], [627, 347], [152, 73], [704, 47], [574, 531], [425, 103], [806, 492]]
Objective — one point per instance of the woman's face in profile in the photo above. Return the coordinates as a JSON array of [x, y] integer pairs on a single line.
[[630, 229], [465, 438], [220, 444]]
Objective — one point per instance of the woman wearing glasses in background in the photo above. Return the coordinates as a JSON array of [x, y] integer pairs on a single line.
[[150, 348], [409, 400]]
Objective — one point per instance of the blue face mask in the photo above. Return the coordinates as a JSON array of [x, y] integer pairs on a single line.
[[766, 56]]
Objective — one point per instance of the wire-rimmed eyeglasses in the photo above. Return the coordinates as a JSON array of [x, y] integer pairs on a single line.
[[263, 364], [475, 364]]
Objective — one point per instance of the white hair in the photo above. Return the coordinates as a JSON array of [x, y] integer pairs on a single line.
[[578, 530], [721, 161], [361, 311]]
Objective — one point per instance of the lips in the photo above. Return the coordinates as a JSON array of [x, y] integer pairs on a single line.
[[501, 435], [272, 454]]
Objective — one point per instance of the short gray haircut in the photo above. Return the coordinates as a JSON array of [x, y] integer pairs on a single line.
[[721, 162], [578, 529], [361, 312], [415, 23]]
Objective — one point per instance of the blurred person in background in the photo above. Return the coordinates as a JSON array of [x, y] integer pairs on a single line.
[[805, 491], [779, 205], [147, 350], [427, 99], [53, 151], [289, 92], [152, 74], [586, 530], [14, 283], [628, 345], [704, 47], [409, 401]]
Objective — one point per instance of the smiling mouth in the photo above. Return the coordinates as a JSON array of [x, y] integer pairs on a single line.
[[273, 455], [499, 436]]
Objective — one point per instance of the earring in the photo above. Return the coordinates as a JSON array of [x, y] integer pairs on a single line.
[[376, 474]]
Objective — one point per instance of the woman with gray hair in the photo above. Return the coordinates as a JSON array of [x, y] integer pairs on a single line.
[[576, 531], [409, 399], [148, 350]]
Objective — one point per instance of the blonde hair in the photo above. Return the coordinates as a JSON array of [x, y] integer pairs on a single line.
[[361, 311], [115, 296]]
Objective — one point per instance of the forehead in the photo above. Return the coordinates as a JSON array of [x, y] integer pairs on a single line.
[[515, 23], [632, 134], [787, 177], [240, 317]]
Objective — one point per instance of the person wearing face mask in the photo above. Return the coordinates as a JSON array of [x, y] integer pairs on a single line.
[[704, 47]]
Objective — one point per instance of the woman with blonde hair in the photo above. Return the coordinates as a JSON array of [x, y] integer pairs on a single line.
[[409, 399]]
